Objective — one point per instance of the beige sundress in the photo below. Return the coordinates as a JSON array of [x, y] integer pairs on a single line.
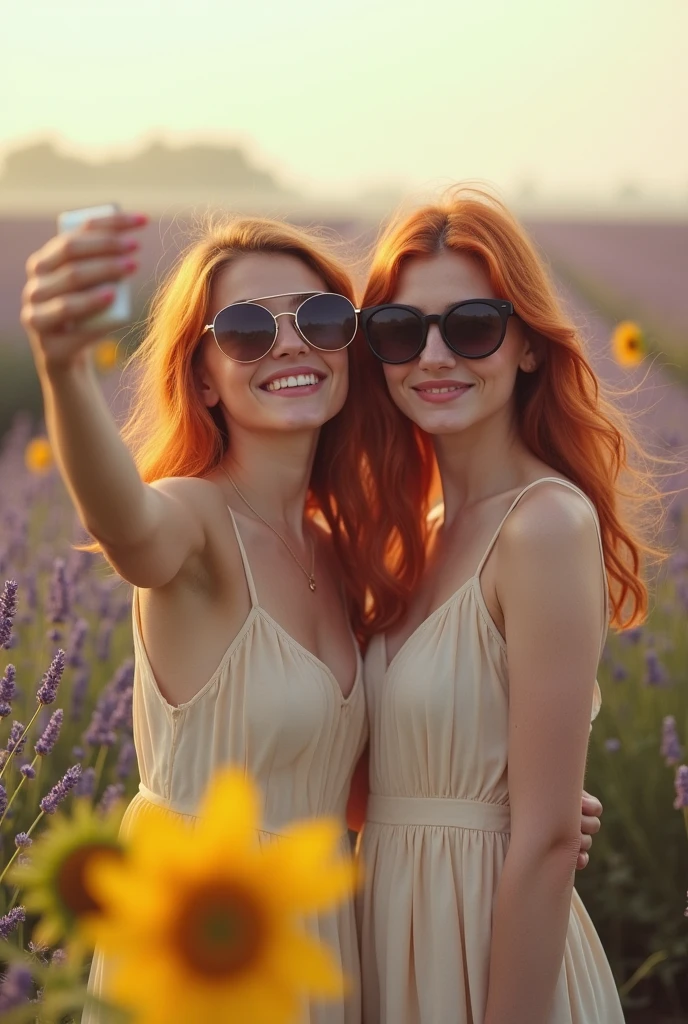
[[437, 829], [274, 708]]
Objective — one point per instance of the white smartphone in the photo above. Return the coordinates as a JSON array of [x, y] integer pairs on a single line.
[[118, 312]]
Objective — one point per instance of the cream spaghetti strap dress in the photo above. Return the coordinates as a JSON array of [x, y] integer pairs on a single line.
[[437, 829], [274, 708]]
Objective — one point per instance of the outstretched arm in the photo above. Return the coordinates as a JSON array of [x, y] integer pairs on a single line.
[[147, 532]]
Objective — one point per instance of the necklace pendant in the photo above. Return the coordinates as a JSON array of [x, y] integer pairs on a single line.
[[311, 582]]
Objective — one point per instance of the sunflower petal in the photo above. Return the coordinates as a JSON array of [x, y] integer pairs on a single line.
[[230, 811], [302, 961], [314, 874]]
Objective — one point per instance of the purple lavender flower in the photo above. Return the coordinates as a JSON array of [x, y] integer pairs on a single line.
[[47, 692], [51, 734], [22, 840], [655, 673], [5, 709], [8, 599], [99, 733], [87, 783], [681, 784], [110, 796], [54, 636], [678, 563], [124, 676], [58, 593], [121, 716], [76, 643], [612, 745], [10, 921], [103, 639], [633, 636], [28, 771], [671, 748], [7, 684], [16, 987], [619, 674], [16, 739], [39, 950], [3, 799], [8, 609], [79, 692], [78, 753], [126, 760], [57, 794]]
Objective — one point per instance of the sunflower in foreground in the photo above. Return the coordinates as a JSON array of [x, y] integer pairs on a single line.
[[628, 343], [105, 355], [38, 455], [54, 881], [216, 919]]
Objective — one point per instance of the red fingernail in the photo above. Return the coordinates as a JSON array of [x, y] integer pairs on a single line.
[[129, 264], [107, 294], [138, 219], [130, 245]]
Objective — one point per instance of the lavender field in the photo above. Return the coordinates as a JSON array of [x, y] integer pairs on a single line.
[[66, 650]]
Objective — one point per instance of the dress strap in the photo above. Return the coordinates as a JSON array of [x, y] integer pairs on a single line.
[[571, 487], [244, 559]]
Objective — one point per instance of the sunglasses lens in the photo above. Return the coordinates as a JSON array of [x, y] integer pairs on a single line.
[[474, 329], [395, 334], [327, 321], [245, 331]]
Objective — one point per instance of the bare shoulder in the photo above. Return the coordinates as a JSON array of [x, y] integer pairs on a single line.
[[551, 525], [197, 494]]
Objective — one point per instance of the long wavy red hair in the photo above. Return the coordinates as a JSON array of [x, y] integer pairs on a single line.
[[171, 432], [564, 416]]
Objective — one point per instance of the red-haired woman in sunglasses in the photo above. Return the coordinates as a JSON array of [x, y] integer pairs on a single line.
[[239, 437], [480, 699], [238, 507]]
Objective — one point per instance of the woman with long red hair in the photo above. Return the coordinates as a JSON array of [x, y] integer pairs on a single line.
[[240, 502], [480, 697], [233, 505]]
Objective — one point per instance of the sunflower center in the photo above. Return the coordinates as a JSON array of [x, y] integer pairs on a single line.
[[632, 343], [220, 930], [71, 880]]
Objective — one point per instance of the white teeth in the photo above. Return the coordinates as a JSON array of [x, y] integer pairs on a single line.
[[440, 391], [302, 380]]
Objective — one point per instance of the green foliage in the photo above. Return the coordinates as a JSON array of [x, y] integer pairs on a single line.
[[635, 886], [19, 387]]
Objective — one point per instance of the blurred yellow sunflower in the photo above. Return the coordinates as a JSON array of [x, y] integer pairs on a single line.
[[628, 343], [215, 918], [105, 355], [54, 880], [38, 455]]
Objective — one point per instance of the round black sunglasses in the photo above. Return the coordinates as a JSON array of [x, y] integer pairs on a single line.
[[473, 329]]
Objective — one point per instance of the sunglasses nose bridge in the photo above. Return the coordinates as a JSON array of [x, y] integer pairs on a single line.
[[296, 334], [435, 350]]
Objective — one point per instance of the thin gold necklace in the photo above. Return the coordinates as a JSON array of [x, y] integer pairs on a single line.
[[309, 575]]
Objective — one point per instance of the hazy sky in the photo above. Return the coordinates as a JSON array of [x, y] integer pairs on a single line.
[[574, 95]]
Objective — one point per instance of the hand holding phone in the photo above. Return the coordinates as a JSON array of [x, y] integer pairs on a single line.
[[119, 311]]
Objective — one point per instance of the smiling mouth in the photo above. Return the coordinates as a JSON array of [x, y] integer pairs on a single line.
[[442, 390], [292, 381]]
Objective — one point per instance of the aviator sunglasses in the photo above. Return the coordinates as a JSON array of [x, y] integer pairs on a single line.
[[247, 331], [472, 329]]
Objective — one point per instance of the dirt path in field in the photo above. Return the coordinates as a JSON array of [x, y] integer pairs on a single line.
[[659, 406]]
